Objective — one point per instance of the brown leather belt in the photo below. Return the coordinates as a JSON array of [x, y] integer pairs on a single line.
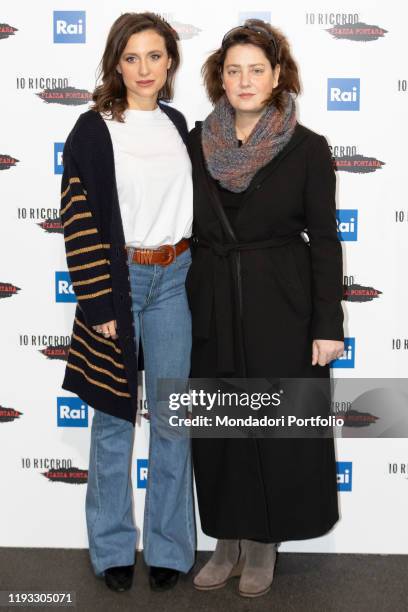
[[164, 255]]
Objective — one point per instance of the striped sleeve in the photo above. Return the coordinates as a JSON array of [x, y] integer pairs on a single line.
[[86, 254]]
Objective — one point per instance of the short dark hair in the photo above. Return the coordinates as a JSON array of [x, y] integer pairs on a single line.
[[110, 96], [276, 48]]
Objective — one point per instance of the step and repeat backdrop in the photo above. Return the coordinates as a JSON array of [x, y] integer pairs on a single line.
[[353, 64]]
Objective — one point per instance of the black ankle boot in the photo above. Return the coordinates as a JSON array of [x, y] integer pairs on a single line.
[[119, 578], [162, 578]]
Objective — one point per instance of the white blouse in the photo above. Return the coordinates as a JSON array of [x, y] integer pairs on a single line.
[[153, 177]]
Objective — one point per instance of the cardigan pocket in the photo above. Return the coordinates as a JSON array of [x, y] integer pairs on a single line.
[[98, 361]]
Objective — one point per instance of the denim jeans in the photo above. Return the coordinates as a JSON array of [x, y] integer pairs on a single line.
[[163, 324]]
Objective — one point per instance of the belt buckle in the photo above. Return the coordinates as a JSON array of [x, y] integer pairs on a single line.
[[171, 253]]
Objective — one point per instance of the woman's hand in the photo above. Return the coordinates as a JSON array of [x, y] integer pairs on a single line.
[[324, 351], [108, 330]]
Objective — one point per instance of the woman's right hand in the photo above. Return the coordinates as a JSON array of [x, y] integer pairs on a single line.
[[107, 330]]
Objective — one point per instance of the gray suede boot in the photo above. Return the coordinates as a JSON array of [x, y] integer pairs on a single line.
[[259, 564], [224, 564]]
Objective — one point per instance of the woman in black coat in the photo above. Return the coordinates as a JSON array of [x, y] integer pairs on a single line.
[[265, 290]]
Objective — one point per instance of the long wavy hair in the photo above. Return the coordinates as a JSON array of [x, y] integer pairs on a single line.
[[111, 96]]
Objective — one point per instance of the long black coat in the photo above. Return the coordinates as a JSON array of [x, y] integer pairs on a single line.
[[256, 309]]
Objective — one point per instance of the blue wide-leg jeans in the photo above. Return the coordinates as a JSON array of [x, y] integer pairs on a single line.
[[163, 324]]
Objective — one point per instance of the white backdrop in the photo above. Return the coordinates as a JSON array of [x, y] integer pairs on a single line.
[[42, 500]]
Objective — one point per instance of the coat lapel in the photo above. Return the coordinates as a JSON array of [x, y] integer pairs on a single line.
[[264, 173], [214, 195]]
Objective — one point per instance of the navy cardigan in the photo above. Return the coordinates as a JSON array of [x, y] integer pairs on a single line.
[[102, 372]]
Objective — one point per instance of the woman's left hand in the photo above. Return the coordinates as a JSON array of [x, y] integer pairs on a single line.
[[324, 351]]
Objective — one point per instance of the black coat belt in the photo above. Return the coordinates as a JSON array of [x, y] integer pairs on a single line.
[[225, 266]]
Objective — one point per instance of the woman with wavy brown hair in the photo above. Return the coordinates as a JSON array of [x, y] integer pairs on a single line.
[[265, 290], [126, 210]]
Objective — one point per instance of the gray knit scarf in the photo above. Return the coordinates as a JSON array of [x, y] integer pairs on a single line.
[[233, 165]]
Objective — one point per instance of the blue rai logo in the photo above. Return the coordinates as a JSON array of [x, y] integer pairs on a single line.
[[347, 224], [347, 360], [142, 471], [58, 148], [64, 291], [343, 94], [69, 27], [71, 412], [344, 475]]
